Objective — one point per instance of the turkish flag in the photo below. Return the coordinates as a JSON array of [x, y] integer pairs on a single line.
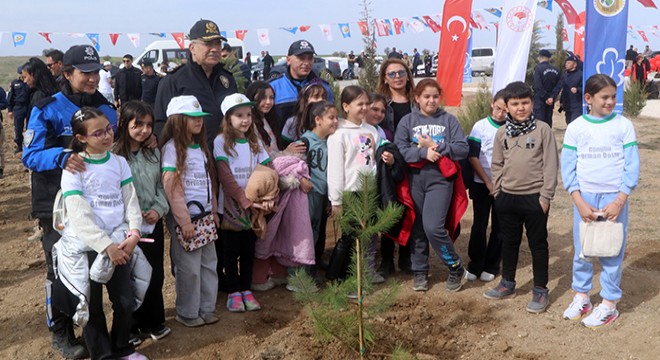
[[643, 35], [578, 35], [564, 35], [398, 26], [113, 38], [240, 34], [647, 3], [453, 45], [569, 11], [434, 25], [364, 28], [179, 38], [303, 28]]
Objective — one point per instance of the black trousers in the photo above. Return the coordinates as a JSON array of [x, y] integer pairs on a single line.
[[484, 255], [542, 111], [56, 320], [220, 254], [151, 314], [239, 258], [572, 115], [101, 344], [514, 212]]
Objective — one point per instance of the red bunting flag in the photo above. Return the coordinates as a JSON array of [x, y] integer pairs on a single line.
[[303, 28], [648, 3], [453, 45], [630, 27], [180, 39], [569, 11], [398, 26], [578, 35], [656, 27], [113, 38], [548, 26], [240, 34], [364, 28], [46, 36], [643, 35], [434, 25]]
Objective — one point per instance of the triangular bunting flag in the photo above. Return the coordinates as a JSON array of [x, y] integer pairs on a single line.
[[113, 38], [180, 39], [240, 34], [399, 26], [95, 40], [364, 28], [416, 25], [648, 3], [345, 30], [304, 28], [325, 29], [263, 36], [18, 38], [643, 35], [134, 38], [46, 36], [291, 30]]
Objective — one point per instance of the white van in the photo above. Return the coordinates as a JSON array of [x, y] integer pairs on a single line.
[[483, 60], [168, 50]]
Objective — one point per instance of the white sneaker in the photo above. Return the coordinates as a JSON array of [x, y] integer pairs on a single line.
[[279, 281], [601, 316], [269, 284], [579, 307], [486, 277], [470, 276]]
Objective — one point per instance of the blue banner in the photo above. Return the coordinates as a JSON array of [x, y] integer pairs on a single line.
[[345, 30], [94, 38], [18, 38], [467, 67], [606, 54]]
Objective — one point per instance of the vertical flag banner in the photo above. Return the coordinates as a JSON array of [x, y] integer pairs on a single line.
[[578, 36], [399, 27], [263, 36], [46, 36], [515, 36], [434, 25], [134, 38], [94, 38], [453, 45], [240, 34], [113, 38], [345, 30], [364, 28], [569, 11], [606, 54], [18, 38], [179, 37], [325, 29], [467, 68]]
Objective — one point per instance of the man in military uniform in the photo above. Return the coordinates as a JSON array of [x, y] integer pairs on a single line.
[[546, 77], [18, 100], [570, 86]]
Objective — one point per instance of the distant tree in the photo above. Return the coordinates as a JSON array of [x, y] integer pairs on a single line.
[[534, 49], [368, 76], [560, 55], [107, 58]]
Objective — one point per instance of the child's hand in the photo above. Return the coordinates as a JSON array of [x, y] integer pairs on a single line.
[[336, 210], [489, 186], [151, 216], [612, 210], [545, 206], [587, 212], [305, 185], [188, 231], [129, 244], [388, 158], [425, 141], [432, 156], [296, 147], [116, 255], [74, 164], [151, 142]]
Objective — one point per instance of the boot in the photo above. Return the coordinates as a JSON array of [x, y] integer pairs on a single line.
[[65, 342]]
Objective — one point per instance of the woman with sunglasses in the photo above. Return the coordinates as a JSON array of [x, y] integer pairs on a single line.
[[47, 137], [395, 83]]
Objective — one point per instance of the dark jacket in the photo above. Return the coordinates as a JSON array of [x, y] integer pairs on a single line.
[[387, 178], [268, 62], [128, 84], [3, 103], [546, 77], [19, 95], [639, 73], [150, 88], [631, 54], [570, 79], [47, 136], [190, 79]]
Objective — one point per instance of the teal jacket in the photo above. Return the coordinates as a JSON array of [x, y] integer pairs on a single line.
[[147, 182]]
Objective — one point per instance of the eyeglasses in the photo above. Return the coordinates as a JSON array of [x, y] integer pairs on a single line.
[[50, 65], [393, 74], [127, 61], [100, 134]]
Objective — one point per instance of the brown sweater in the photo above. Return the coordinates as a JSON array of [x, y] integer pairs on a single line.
[[526, 164]]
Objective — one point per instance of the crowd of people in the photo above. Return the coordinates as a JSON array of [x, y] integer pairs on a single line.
[[246, 183]]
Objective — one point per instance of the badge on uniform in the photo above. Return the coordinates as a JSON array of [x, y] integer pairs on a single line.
[[28, 137], [225, 81]]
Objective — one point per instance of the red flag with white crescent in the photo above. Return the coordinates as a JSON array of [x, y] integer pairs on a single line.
[[303, 28], [179, 38], [240, 34], [569, 11], [578, 35], [453, 45], [113, 38], [364, 28]]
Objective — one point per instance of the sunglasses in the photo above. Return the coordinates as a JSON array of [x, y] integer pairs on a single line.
[[50, 65], [393, 74], [100, 134], [127, 61]]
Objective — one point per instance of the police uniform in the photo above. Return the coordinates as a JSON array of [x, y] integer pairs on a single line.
[[546, 77], [571, 103], [19, 100]]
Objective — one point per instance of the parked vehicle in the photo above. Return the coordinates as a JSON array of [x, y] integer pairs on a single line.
[[483, 60], [421, 70], [168, 50]]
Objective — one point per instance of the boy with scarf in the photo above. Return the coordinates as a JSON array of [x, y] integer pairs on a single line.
[[524, 167]]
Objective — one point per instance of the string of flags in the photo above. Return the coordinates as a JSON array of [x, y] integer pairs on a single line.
[[383, 27]]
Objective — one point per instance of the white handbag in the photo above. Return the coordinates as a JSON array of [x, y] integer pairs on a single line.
[[601, 238]]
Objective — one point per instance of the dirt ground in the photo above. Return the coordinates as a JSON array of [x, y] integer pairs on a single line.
[[432, 325]]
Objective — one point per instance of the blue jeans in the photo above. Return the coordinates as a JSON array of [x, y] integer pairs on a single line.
[[583, 271]]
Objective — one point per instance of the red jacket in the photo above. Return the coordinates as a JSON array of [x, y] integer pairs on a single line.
[[459, 200]]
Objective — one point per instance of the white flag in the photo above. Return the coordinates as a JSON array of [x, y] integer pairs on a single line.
[[325, 29], [1, 33], [515, 35], [134, 38], [415, 25], [264, 37], [77, 35]]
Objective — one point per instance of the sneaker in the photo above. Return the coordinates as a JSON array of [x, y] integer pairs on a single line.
[[188, 322], [486, 276], [67, 346], [209, 318], [159, 333], [268, 285], [235, 302], [377, 279], [251, 304], [539, 300], [279, 281], [134, 356], [455, 280], [601, 316], [134, 339], [504, 290], [579, 307], [470, 276], [420, 282]]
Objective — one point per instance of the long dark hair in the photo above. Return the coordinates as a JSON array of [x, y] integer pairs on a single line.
[[138, 111], [350, 93], [256, 92], [598, 82], [309, 91], [78, 125], [314, 110], [43, 79]]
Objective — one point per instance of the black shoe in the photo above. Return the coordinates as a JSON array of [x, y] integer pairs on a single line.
[[386, 268], [2, 173], [68, 346], [134, 339], [406, 267]]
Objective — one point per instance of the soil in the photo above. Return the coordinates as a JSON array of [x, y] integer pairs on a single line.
[[431, 325]]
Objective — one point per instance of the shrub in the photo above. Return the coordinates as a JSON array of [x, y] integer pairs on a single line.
[[634, 99], [477, 109]]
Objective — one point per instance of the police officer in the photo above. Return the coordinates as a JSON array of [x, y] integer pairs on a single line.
[[570, 86], [46, 141], [546, 77], [150, 81], [19, 101], [203, 76]]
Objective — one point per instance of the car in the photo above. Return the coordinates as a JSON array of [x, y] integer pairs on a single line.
[[483, 60], [421, 69]]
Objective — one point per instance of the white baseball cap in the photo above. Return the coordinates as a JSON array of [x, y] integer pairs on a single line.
[[186, 105], [235, 100], [107, 63]]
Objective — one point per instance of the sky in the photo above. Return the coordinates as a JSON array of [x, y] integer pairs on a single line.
[[146, 16]]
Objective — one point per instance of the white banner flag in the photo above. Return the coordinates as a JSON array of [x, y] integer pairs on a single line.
[[325, 29], [1, 33], [415, 25], [515, 35], [264, 37], [134, 38]]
